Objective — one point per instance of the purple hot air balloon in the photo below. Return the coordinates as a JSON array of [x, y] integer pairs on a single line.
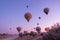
[[39, 17], [38, 29], [27, 6], [18, 29], [46, 10]]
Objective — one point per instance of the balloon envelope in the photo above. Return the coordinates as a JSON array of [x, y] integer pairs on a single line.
[[10, 28], [33, 28], [46, 10], [39, 17], [47, 29], [25, 32], [28, 16], [37, 23], [18, 29], [38, 28], [27, 6]]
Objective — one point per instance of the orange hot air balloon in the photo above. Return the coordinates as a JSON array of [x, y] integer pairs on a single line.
[[46, 10], [18, 29], [28, 16], [47, 29]]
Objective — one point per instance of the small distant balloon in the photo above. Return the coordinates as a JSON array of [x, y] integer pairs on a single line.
[[33, 28], [46, 10], [39, 17], [25, 32], [37, 23], [27, 6], [10, 28], [18, 29], [28, 16]]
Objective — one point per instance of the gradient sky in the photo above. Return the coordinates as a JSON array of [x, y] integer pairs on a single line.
[[12, 14]]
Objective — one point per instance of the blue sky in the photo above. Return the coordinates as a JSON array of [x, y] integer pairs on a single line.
[[12, 14]]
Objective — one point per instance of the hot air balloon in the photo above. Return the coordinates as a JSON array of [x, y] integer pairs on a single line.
[[37, 23], [10, 28], [46, 10], [18, 29], [58, 24], [27, 6], [47, 29], [25, 32], [33, 28], [39, 17], [38, 29], [28, 16]]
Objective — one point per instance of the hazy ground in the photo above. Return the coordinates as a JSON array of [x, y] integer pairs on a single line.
[[20, 38], [29, 38], [8, 37]]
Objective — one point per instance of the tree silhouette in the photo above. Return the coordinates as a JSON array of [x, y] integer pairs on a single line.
[[53, 34]]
